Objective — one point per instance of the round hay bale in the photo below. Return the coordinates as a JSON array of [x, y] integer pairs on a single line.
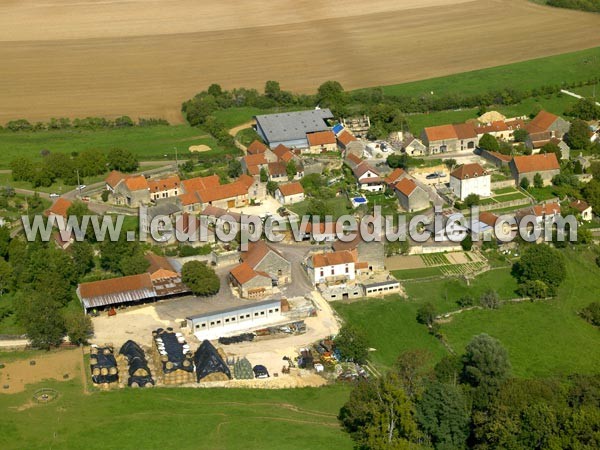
[[186, 363], [164, 358], [112, 371], [140, 373], [148, 385], [93, 361], [169, 365], [66, 376], [96, 372], [104, 371], [32, 363], [107, 351], [134, 384], [94, 351]]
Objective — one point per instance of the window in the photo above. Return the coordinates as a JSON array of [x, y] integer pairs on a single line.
[[255, 314], [226, 320], [218, 322], [204, 325], [321, 272], [262, 313], [276, 309], [197, 325], [233, 319], [212, 323], [270, 311], [347, 270]]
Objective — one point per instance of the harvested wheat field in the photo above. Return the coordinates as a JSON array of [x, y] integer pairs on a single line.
[[142, 58]]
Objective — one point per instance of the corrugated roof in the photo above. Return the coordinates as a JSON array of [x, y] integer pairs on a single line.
[[292, 126], [116, 290]]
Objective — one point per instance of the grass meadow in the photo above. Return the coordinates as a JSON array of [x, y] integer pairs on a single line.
[[181, 418], [544, 338]]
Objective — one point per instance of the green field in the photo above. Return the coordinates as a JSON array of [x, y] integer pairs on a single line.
[[175, 418], [148, 143], [554, 70], [543, 338]]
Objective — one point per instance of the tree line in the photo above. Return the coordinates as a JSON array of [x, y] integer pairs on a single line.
[[88, 123], [471, 401], [582, 5], [68, 167]]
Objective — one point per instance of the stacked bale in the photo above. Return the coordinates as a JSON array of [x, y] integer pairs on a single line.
[[210, 365], [242, 370], [139, 372], [174, 359], [103, 366]]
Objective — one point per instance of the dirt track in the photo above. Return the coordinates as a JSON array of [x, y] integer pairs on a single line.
[[85, 57]]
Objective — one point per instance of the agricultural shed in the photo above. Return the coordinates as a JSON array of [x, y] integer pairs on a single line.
[[209, 364]]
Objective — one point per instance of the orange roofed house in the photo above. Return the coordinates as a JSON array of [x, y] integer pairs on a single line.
[[545, 164], [204, 191], [470, 179], [59, 208], [334, 268], [450, 138], [410, 195], [137, 190], [321, 141], [288, 194]]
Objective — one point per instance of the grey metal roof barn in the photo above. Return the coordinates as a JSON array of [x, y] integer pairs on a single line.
[[290, 128]]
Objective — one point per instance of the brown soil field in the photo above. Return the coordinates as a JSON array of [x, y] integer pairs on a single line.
[[17, 374], [143, 58]]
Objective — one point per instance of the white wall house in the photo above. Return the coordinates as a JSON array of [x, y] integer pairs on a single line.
[[288, 194], [367, 178], [470, 179], [332, 268]]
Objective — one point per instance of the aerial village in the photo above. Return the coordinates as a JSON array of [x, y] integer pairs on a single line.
[[271, 321]]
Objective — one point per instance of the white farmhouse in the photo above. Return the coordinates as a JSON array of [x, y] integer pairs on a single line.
[[332, 268], [290, 193], [367, 178], [470, 179]]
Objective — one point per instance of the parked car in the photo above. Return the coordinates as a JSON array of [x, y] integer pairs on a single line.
[[82, 187], [54, 195], [432, 176], [260, 372]]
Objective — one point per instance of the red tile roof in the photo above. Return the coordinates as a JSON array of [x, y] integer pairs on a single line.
[[256, 147], [164, 184], [136, 183], [332, 259], [541, 122], [291, 189], [283, 153], [224, 191], [59, 207], [396, 174], [257, 252], [345, 137], [354, 159], [277, 169], [536, 163], [114, 177], [320, 138], [548, 209], [246, 180], [189, 198], [363, 168], [488, 218], [579, 205], [160, 267], [493, 127], [467, 171], [406, 186], [465, 131], [244, 273], [440, 133], [255, 160], [200, 183]]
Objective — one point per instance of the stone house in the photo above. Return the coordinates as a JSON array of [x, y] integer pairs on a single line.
[[470, 179], [528, 166], [263, 258], [411, 196], [288, 194]]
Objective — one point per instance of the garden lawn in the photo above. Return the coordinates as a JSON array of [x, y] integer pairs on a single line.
[[411, 274], [543, 338], [181, 418]]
